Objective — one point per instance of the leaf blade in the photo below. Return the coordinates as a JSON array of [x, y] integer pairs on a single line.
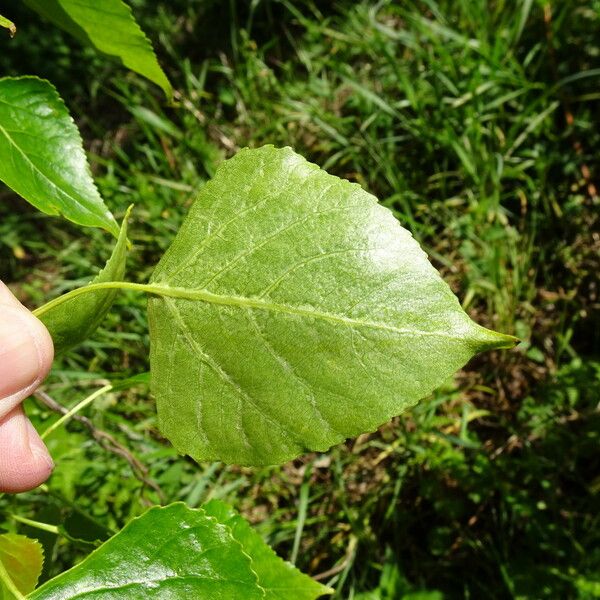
[[316, 302], [173, 552], [75, 320], [22, 559], [280, 579], [41, 154], [111, 28]]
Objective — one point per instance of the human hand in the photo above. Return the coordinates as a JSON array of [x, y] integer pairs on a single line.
[[26, 354]]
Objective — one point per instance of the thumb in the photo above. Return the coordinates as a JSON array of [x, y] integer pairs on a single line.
[[26, 354]]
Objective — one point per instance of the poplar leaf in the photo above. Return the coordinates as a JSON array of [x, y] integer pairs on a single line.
[[292, 312], [110, 27], [279, 578], [172, 552], [21, 561], [42, 157]]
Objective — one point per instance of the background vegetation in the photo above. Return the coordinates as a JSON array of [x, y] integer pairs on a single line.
[[476, 122]]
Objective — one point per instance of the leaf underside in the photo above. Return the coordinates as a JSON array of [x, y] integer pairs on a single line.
[[75, 320], [172, 552], [41, 154], [321, 316], [110, 27]]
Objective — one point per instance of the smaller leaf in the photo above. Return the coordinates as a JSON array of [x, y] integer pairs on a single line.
[[4, 22], [22, 559], [110, 27], [171, 552], [73, 321], [280, 579], [41, 154]]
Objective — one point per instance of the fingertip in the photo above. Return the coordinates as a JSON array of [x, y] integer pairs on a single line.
[[26, 354], [38, 330], [25, 462], [26, 351], [6, 296], [44, 344]]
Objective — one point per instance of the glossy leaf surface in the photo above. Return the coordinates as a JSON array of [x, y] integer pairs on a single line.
[[300, 313], [73, 321], [41, 154], [280, 579], [172, 552], [110, 27], [21, 559]]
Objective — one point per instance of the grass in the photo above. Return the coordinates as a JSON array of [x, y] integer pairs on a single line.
[[475, 122]]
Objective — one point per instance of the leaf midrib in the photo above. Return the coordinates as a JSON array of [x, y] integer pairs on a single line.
[[261, 304]]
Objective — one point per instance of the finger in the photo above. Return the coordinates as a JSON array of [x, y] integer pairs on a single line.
[[24, 460], [7, 297], [26, 352]]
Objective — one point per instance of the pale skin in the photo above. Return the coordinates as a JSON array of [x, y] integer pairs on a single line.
[[26, 354]]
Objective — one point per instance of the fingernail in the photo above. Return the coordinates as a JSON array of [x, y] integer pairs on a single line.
[[20, 359]]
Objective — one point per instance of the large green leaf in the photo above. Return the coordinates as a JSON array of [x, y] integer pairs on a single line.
[[21, 561], [110, 26], [172, 552], [280, 579], [319, 317], [41, 155], [73, 321]]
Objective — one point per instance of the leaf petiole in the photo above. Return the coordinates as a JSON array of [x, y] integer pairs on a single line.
[[93, 287], [37, 524]]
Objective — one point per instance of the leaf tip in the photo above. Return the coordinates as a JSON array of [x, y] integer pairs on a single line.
[[487, 339]]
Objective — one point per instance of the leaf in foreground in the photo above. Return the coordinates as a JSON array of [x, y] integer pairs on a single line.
[[172, 552], [21, 561], [110, 27], [73, 321], [280, 579], [306, 315], [41, 154]]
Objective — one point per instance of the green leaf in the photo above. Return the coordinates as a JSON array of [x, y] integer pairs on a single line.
[[21, 561], [73, 321], [320, 316], [41, 154], [4, 22], [172, 552], [110, 27], [280, 579]]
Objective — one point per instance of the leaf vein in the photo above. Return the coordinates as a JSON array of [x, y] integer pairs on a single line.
[[227, 378]]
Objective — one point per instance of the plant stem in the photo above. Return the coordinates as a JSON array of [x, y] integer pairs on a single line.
[[37, 524], [75, 410]]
